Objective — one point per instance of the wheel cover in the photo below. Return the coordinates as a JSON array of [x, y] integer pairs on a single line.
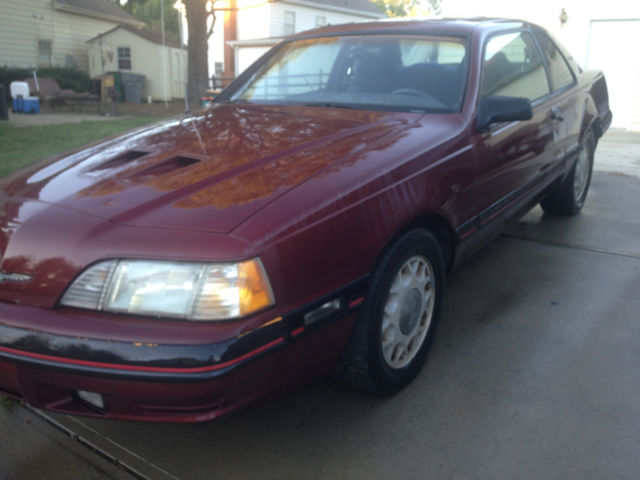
[[408, 312], [581, 174]]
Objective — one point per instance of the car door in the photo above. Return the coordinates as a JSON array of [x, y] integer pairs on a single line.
[[513, 157], [566, 109]]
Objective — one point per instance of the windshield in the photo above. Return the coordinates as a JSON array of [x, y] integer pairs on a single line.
[[381, 72]]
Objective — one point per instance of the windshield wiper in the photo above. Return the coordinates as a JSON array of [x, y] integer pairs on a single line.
[[331, 105]]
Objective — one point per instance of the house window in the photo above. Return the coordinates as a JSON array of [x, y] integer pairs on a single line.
[[289, 23], [44, 52], [219, 67], [124, 58], [321, 21]]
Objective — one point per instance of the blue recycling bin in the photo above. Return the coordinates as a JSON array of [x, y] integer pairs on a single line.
[[31, 105], [18, 105], [26, 105]]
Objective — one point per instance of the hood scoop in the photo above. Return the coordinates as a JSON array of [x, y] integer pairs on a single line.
[[163, 168], [120, 160]]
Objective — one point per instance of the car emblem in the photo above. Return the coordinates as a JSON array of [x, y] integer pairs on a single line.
[[14, 277]]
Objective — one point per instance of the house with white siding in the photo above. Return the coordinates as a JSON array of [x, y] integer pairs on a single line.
[[600, 35], [140, 51], [37, 33], [251, 27]]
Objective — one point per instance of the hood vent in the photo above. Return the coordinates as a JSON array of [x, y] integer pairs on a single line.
[[120, 160], [165, 167]]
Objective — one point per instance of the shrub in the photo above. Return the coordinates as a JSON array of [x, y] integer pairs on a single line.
[[76, 80]]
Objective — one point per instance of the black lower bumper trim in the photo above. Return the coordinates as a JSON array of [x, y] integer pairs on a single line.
[[182, 363]]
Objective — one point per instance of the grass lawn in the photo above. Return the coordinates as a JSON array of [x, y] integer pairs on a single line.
[[22, 146]]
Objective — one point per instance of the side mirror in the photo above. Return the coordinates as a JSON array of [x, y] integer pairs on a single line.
[[496, 109]]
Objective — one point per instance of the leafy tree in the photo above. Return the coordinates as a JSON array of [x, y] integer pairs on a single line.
[[149, 12], [436, 6], [396, 8], [404, 8]]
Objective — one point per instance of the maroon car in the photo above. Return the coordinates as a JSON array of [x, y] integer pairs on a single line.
[[304, 224]]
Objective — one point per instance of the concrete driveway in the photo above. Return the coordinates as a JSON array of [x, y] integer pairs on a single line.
[[535, 373]]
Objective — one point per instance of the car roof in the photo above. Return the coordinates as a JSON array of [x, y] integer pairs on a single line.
[[449, 26]]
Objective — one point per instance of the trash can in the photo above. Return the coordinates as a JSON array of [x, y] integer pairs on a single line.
[[132, 83], [4, 110]]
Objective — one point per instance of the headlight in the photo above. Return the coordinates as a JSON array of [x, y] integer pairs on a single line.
[[190, 291]]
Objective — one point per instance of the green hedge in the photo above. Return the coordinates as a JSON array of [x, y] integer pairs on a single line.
[[76, 80]]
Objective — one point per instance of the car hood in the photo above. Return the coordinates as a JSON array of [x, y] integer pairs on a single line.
[[206, 172]]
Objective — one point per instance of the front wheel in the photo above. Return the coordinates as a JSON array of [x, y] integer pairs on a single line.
[[570, 197], [396, 324]]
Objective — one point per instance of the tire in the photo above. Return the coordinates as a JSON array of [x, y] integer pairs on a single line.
[[570, 197], [396, 325]]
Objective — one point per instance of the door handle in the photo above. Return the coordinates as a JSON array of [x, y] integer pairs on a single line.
[[556, 114]]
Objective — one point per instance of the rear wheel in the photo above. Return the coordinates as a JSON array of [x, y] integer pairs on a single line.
[[570, 197], [394, 331]]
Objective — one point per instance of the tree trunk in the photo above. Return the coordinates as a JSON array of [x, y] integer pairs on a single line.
[[197, 55]]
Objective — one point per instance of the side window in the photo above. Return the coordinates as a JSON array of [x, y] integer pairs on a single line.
[[561, 76], [289, 22], [44, 53], [124, 58], [512, 67]]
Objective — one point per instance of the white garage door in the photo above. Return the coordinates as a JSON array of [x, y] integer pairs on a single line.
[[612, 49]]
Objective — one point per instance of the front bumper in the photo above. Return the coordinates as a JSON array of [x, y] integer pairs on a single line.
[[170, 382]]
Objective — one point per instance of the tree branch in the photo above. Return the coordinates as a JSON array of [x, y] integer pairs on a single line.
[[213, 23]]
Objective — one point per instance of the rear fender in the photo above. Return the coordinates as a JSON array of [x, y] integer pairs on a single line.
[[598, 115]]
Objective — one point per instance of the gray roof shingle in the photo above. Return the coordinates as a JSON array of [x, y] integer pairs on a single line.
[[362, 5], [142, 32], [359, 5], [97, 8]]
